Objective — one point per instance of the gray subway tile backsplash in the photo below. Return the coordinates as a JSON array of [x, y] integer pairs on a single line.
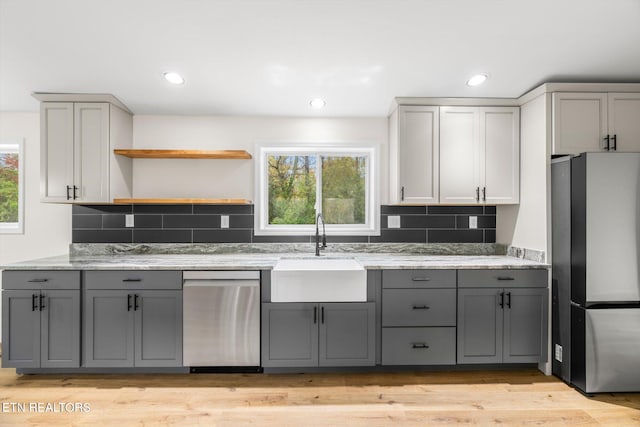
[[201, 224]]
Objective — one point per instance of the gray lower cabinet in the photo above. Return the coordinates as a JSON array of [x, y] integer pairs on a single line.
[[502, 325], [127, 328], [325, 334], [418, 317], [41, 326], [132, 318]]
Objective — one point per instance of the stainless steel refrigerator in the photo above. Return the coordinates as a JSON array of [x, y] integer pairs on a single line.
[[595, 201]]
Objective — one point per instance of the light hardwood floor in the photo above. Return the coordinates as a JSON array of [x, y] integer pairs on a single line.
[[523, 397]]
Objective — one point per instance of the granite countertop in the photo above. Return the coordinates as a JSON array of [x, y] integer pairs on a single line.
[[255, 261]]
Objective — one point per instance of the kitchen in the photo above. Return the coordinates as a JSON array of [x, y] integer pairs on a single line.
[[523, 223]]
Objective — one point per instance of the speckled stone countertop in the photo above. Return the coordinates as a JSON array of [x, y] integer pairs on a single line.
[[131, 260]]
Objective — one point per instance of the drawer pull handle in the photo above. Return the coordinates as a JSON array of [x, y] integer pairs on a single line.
[[38, 280], [421, 279], [421, 307], [132, 280], [506, 278], [419, 345]]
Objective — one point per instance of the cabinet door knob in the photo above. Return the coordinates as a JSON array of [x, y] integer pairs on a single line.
[[68, 189], [135, 302], [315, 315], [484, 194], [128, 302], [75, 189], [501, 299], [34, 304], [614, 147], [606, 140], [402, 193], [508, 299], [477, 194], [41, 302]]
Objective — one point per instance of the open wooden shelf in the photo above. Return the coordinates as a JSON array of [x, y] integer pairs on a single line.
[[183, 154], [182, 201]]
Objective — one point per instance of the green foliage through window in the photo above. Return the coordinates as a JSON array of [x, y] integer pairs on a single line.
[[9, 184], [297, 183]]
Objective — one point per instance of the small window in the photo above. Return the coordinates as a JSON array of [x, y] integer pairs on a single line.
[[11, 188], [295, 183]]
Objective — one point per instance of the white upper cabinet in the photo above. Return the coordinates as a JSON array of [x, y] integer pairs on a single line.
[[77, 161], [500, 132], [413, 142], [479, 155], [586, 122], [459, 155], [624, 121]]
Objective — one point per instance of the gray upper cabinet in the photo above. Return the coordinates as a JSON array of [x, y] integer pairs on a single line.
[[325, 334], [595, 121], [413, 154], [131, 323], [502, 325], [41, 319], [77, 162]]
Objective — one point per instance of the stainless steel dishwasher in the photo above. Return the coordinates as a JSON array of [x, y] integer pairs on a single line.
[[221, 321]]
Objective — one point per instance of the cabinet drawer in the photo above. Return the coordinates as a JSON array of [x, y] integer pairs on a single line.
[[40, 279], [532, 278], [133, 279], [418, 278], [418, 307], [418, 346]]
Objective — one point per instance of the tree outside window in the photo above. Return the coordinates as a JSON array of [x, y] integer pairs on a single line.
[[11, 187], [297, 183]]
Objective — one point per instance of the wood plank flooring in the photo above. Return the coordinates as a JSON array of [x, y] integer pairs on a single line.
[[522, 397]]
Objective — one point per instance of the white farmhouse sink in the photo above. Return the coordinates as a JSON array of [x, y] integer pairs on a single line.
[[318, 280]]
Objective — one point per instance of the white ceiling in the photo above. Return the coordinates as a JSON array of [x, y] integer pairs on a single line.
[[270, 57]]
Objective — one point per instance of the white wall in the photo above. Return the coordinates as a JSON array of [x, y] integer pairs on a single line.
[[234, 178], [47, 227], [525, 225]]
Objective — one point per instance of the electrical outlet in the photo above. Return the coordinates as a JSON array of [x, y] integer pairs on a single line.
[[128, 220], [224, 221], [473, 222], [558, 353], [393, 221]]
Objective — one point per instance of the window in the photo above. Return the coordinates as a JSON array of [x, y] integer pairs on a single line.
[[11, 187], [295, 183]]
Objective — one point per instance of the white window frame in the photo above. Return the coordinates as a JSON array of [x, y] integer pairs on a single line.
[[371, 227], [13, 227]]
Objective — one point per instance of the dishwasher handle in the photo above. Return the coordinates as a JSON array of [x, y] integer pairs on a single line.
[[220, 283], [221, 275]]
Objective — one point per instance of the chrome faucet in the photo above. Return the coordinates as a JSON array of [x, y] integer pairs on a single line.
[[324, 235]]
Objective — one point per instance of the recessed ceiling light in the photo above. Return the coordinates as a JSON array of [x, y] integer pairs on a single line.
[[174, 78], [477, 80], [317, 103]]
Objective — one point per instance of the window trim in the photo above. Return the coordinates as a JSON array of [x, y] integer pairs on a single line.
[[16, 228], [372, 212]]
